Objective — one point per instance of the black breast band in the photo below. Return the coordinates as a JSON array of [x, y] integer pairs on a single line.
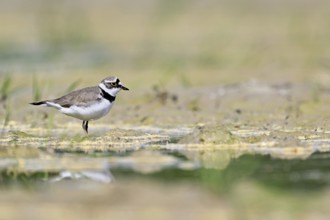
[[107, 96]]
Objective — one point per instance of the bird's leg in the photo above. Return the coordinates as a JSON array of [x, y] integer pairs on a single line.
[[85, 126]]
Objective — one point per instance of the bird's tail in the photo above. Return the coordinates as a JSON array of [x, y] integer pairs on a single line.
[[39, 103]]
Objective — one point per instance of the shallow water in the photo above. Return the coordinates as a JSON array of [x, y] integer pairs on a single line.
[[159, 179], [163, 153]]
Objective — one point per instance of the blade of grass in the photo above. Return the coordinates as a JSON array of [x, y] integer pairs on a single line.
[[36, 89], [7, 115], [5, 87]]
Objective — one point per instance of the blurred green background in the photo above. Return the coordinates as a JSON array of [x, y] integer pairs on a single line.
[[204, 42], [55, 46]]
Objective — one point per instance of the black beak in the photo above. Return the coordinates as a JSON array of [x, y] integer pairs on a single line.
[[123, 87]]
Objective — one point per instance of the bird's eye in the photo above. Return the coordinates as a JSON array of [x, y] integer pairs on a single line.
[[113, 84]]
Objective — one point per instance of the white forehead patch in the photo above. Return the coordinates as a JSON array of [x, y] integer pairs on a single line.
[[112, 80]]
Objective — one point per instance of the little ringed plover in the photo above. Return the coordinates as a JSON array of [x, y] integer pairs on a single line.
[[87, 104]]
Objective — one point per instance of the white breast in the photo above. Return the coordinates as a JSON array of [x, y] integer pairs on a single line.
[[93, 112]]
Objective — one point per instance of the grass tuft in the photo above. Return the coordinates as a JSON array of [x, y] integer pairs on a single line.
[[7, 115], [5, 87], [36, 89]]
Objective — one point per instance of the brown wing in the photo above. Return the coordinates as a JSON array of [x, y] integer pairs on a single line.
[[82, 97]]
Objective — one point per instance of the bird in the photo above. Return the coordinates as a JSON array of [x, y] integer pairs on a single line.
[[89, 103]]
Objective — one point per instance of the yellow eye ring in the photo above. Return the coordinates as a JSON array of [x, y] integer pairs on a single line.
[[113, 84]]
